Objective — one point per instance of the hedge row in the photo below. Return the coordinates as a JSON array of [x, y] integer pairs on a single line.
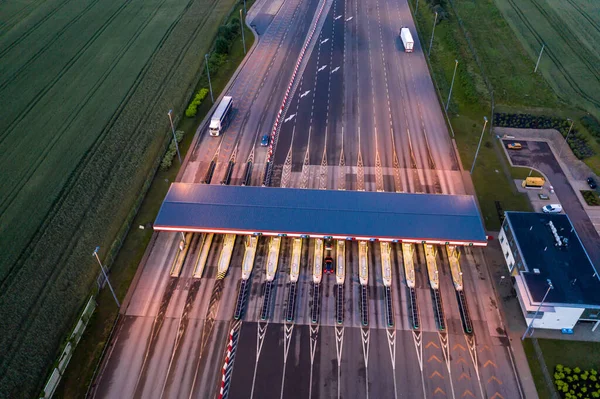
[[225, 37], [576, 141], [575, 383]]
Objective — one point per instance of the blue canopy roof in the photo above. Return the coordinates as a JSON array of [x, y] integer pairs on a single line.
[[349, 214]]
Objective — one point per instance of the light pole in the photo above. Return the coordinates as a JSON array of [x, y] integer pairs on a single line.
[[245, 11], [105, 276], [174, 137], [566, 138], [416, 8], [208, 73], [539, 58], [432, 32], [242, 26], [479, 145], [550, 287], [452, 84]]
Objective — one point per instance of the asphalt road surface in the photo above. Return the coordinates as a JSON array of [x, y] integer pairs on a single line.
[[363, 116]]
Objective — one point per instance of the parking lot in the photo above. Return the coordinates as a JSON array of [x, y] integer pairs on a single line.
[[538, 155]]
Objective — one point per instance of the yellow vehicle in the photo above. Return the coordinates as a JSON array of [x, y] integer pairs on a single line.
[[514, 146], [534, 182]]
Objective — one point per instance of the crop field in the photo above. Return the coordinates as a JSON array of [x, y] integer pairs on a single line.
[[85, 88], [570, 30]]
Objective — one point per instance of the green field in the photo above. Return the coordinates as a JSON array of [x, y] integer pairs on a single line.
[[570, 30], [86, 86]]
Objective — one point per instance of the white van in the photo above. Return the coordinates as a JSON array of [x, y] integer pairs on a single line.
[[552, 208]]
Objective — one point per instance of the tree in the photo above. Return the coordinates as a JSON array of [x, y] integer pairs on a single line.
[[222, 46], [225, 32]]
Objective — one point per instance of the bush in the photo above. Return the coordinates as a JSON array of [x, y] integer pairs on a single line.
[[581, 389], [192, 109], [171, 152], [234, 26], [222, 45]]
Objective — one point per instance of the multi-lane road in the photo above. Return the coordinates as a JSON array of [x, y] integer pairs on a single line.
[[362, 115]]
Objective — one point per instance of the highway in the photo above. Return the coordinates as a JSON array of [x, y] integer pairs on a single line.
[[363, 115]]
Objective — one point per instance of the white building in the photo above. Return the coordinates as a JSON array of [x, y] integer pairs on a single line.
[[544, 248]]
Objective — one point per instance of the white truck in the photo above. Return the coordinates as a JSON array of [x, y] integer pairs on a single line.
[[407, 39], [219, 120]]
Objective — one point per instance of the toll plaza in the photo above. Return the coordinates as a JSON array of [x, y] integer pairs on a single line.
[[427, 220]]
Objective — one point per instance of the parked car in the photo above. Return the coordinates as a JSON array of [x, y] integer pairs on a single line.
[[591, 182], [514, 146], [328, 243], [552, 208], [265, 140]]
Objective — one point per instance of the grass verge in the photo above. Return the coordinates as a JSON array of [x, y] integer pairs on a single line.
[[87, 356], [582, 354], [536, 370]]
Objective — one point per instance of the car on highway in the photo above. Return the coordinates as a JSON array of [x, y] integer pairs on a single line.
[[265, 140], [552, 208], [514, 146], [591, 182], [328, 269]]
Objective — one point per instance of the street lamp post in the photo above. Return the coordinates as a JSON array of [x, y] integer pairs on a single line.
[[432, 32], [209, 84], [566, 138], [550, 287], [452, 84], [174, 136], [479, 145], [106, 276], [242, 26]]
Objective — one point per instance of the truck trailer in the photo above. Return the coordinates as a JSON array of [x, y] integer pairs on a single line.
[[407, 39], [219, 120]]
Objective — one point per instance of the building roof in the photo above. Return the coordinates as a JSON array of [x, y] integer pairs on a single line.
[[567, 266], [342, 214]]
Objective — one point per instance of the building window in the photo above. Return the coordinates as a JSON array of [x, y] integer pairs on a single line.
[[506, 255], [505, 226], [501, 239], [530, 315], [520, 265]]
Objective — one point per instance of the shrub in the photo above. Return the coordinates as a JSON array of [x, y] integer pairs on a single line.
[[171, 152], [222, 45], [192, 109], [234, 26]]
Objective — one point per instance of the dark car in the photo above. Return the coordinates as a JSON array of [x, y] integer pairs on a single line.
[[328, 265], [328, 244], [591, 182], [264, 141]]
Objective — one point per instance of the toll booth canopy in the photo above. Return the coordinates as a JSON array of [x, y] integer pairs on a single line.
[[431, 218]]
